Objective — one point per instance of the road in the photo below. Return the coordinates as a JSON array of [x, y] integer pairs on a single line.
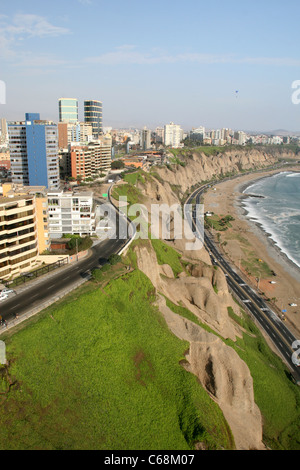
[[47, 288], [277, 331]]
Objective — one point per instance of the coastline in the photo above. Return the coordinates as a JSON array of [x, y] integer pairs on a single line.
[[247, 236], [266, 237]]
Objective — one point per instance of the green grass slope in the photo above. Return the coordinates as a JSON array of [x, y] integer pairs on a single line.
[[103, 372]]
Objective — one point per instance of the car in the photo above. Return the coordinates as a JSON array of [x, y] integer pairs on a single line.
[[7, 291], [3, 296], [293, 305]]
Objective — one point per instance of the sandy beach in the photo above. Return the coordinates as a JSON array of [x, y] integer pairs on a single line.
[[245, 241]]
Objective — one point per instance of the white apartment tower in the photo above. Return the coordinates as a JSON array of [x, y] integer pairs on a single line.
[[173, 135]]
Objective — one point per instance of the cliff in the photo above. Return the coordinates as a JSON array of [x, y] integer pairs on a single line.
[[197, 166], [202, 290]]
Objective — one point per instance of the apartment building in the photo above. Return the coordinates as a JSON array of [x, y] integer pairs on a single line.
[[197, 133], [41, 209], [146, 138], [33, 146], [18, 234], [159, 135], [5, 160], [74, 132], [4, 135], [88, 161], [70, 213], [173, 135]]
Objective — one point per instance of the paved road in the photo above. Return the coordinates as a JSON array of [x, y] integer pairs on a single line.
[[277, 331], [49, 287], [46, 289]]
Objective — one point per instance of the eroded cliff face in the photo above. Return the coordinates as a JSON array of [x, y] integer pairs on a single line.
[[220, 370], [200, 167], [225, 377], [202, 290]]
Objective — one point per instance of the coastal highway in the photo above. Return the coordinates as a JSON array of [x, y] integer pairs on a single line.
[[44, 289], [273, 326]]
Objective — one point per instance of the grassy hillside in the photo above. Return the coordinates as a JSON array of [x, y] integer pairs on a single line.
[[103, 372]]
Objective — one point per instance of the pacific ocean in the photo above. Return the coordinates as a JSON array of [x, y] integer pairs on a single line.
[[274, 204]]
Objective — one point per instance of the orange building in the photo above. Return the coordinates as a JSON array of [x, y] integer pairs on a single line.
[[134, 162], [88, 161], [62, 134], [5, 160]]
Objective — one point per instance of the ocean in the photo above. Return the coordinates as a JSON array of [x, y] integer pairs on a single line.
[[277, 210]]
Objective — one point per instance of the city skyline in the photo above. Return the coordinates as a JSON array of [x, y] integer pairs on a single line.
[[156, 63]]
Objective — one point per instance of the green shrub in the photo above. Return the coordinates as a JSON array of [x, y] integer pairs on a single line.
[[114, 259]]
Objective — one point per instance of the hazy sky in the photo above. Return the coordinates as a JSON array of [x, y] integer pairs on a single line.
[[152, 62]]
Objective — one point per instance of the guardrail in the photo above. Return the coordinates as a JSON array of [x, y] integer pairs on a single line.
[[35, 274], [129, 222]]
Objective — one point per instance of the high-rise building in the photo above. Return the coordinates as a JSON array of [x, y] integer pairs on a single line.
[[197, 133], [41, 212], [33, 146], [93, 115], [3, 138], [241, 137], [68, 109], [173, 135], [146, 138], [159, 135], [18, 227]]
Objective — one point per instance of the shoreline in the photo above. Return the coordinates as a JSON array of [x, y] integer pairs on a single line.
[[292, 267], [247, 237]]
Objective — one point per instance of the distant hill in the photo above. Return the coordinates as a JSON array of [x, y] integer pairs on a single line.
[[280, 132]]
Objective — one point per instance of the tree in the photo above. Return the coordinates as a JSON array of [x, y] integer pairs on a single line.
[[117, 165]]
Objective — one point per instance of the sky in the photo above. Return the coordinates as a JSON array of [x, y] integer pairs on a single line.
[[195, 63]]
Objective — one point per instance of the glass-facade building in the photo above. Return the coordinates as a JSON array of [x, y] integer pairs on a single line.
[[68, 110], [93, 116]]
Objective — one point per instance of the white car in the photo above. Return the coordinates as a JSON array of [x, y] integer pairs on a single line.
[[6, 291], [293, 305], [3, 296]]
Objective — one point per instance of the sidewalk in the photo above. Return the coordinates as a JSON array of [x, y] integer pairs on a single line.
[[33, 282], [29, 284], [25, 316]]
